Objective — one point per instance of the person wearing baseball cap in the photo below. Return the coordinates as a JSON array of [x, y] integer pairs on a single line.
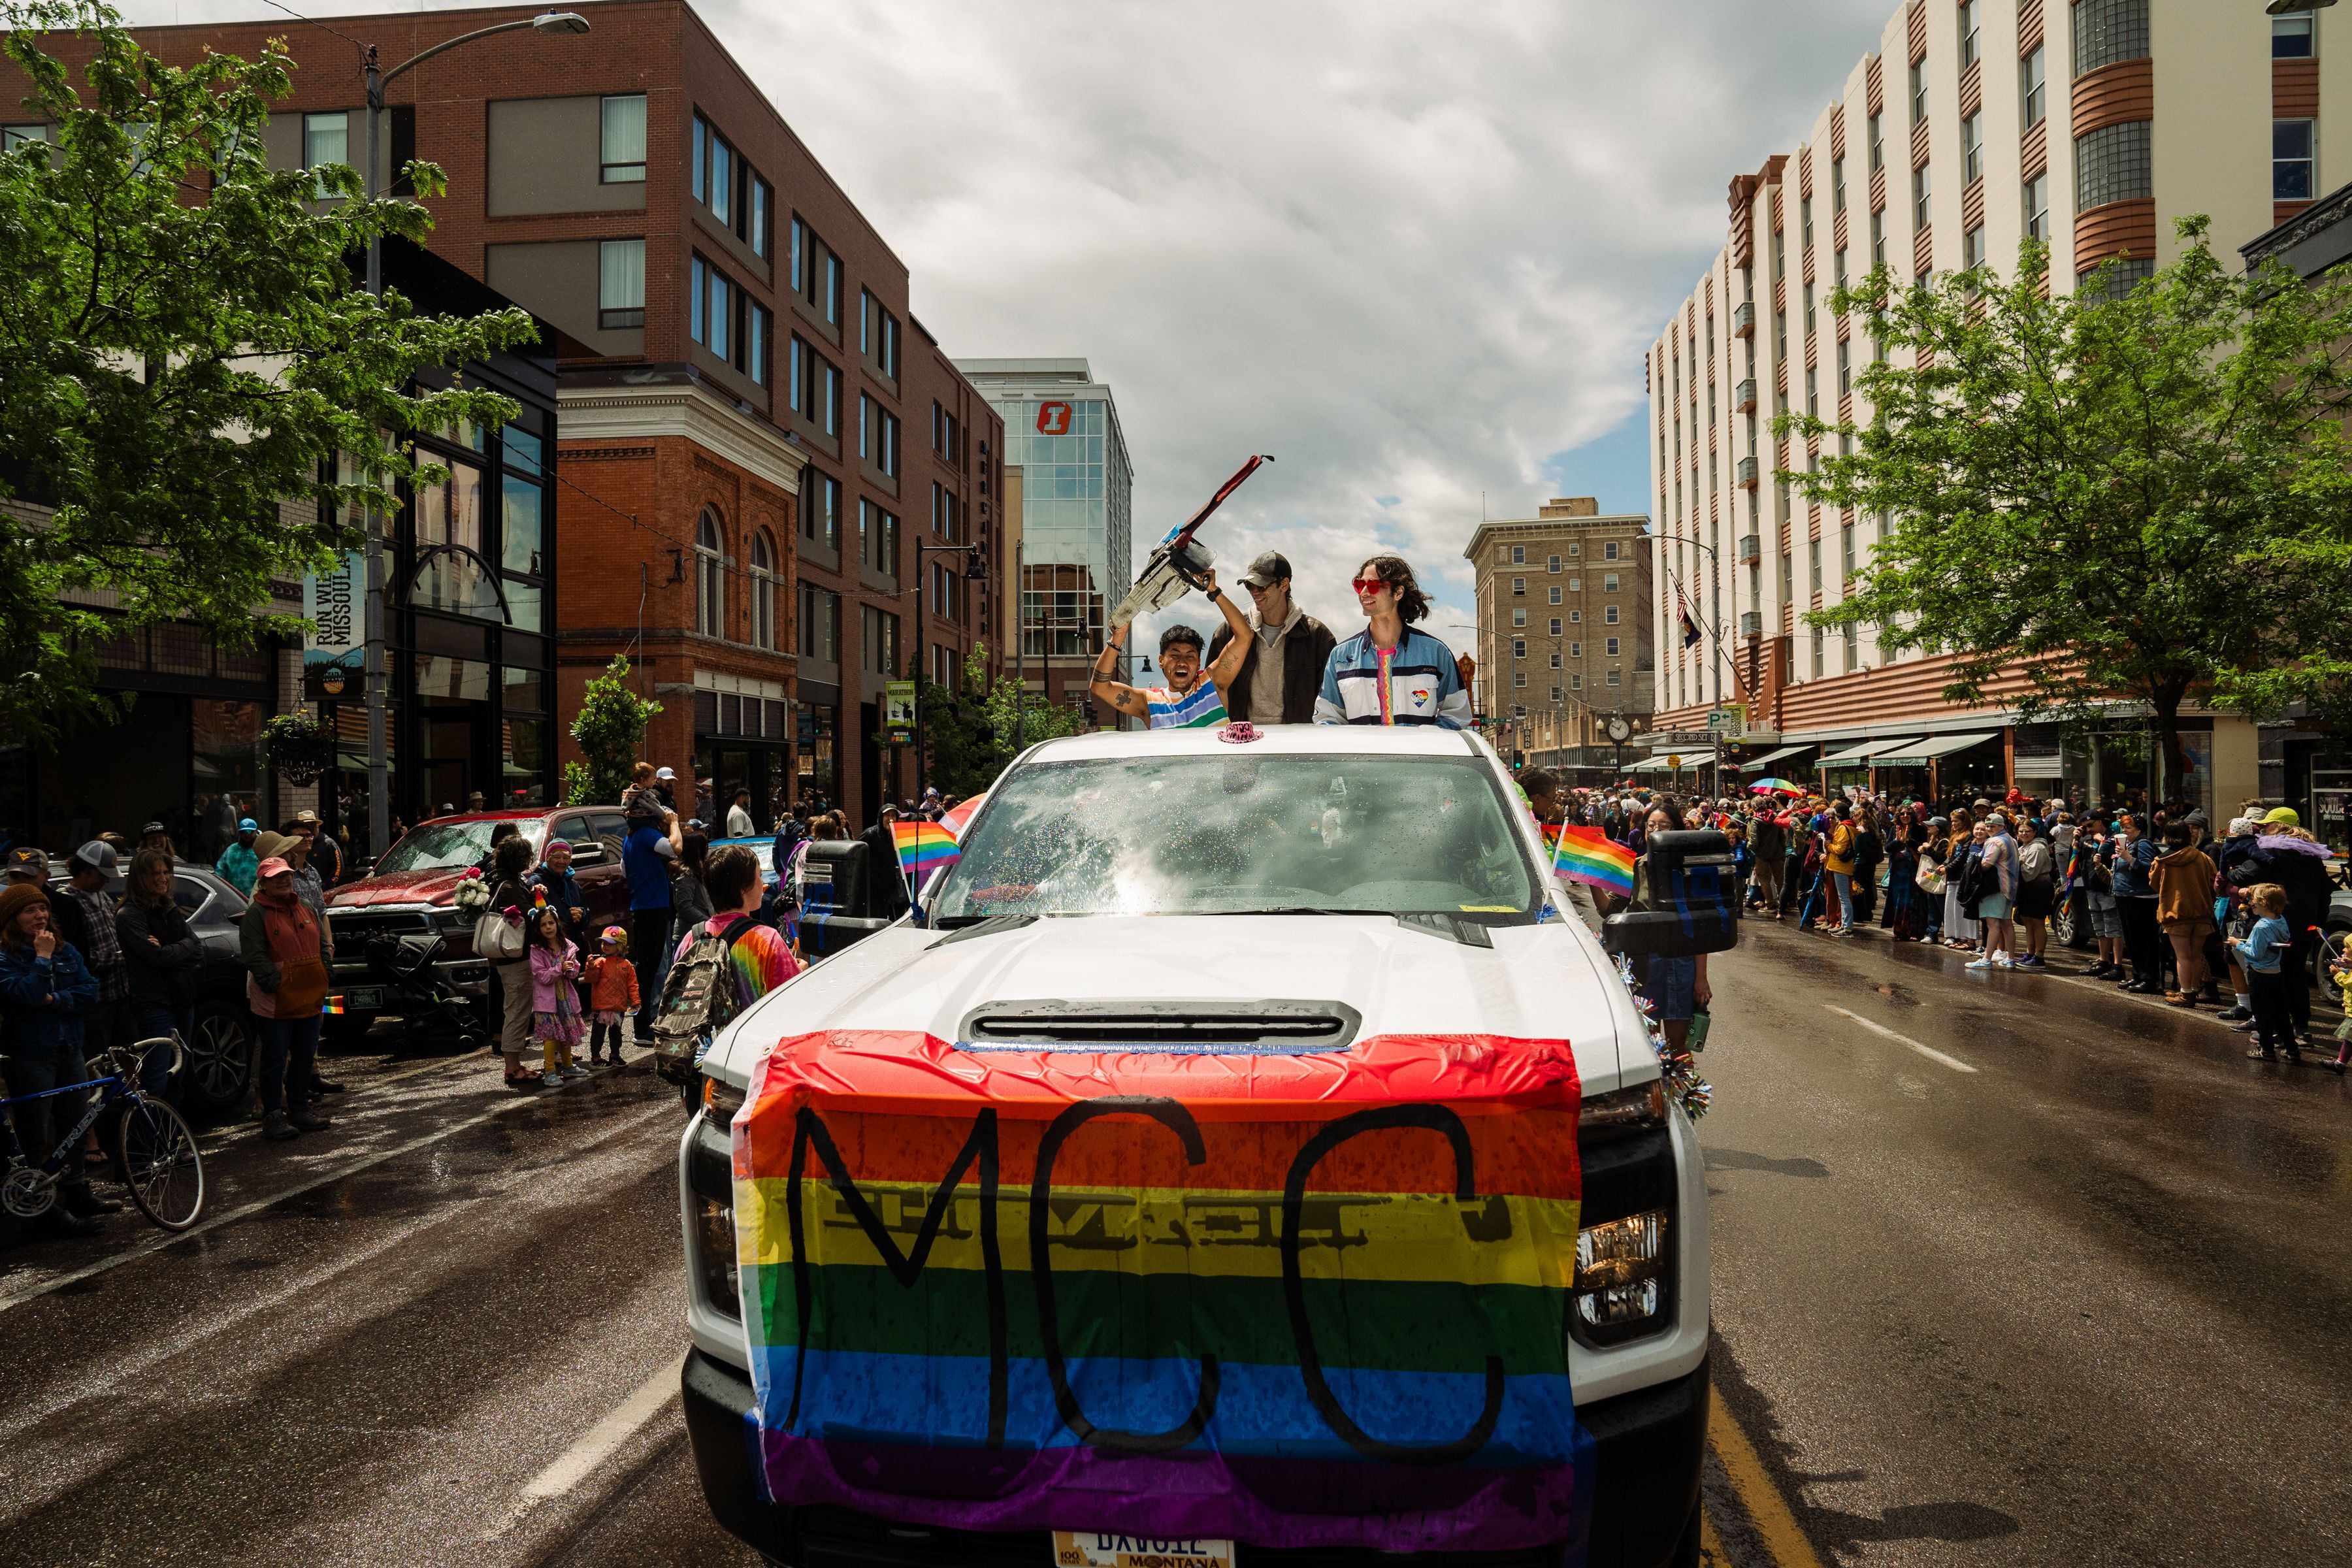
[[29, 865], [1283, 670], [238, 865], [284, 949], [45, 990], [83, 912], [155, 835]]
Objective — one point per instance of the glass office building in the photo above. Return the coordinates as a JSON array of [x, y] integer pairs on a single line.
[[1061, 429]]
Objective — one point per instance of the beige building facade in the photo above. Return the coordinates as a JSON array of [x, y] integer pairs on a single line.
[[1563, 631], [2090, 124]]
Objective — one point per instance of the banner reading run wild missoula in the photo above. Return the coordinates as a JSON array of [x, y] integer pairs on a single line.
[[1297, 1300]]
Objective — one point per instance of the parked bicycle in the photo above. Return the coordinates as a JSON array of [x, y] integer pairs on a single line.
[[155, 1152]]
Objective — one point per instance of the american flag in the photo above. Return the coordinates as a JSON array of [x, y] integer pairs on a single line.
[[1690, 626]]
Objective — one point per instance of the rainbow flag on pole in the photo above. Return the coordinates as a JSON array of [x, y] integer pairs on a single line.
[[925, 850], [1310, 1301], [1589, 855]]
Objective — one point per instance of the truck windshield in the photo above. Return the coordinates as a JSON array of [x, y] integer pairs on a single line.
[[449, 845], [1197, 835]]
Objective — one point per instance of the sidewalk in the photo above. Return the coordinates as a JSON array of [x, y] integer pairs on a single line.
[[2068, 965]]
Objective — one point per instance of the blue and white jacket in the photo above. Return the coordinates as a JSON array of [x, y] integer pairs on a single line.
[[1423, 685]]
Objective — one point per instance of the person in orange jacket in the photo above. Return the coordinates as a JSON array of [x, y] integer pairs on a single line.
[[612, 994]]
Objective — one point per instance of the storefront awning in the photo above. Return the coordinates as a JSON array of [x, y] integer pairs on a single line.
[[1920, 754], [1658, 765], [1752, 764], [1863, 756]]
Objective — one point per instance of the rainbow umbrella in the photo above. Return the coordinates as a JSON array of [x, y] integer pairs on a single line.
[[1776, 786]]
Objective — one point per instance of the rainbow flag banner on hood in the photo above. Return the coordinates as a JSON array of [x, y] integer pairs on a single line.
[[1311, 1301]]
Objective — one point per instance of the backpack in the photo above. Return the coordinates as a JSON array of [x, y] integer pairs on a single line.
[[698, 999]]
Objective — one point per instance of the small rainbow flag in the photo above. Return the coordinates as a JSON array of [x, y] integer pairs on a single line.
[[925, 850], [1589, 855], [332, 1007]]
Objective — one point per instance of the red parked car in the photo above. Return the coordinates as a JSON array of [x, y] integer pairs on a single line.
[[412, 891]]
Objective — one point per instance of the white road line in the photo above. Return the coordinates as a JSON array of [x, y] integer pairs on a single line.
[[1930, 1052], [598, 1444], [246, 1211]]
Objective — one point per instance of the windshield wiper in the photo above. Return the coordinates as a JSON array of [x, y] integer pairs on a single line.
[[1298, 910]]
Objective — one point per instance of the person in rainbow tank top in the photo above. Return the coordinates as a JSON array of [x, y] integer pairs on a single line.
[[1194, 696], [1389, 673]]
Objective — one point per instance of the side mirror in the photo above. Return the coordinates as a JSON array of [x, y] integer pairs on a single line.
[[1689, 901]]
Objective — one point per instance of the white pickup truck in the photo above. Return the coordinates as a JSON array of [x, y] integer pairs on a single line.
[[1270, 1076]]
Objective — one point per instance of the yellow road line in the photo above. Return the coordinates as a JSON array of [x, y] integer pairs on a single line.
[[1775, 1525], [1711, 1553]]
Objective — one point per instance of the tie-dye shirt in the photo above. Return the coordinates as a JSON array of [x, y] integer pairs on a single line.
[[763, 957]]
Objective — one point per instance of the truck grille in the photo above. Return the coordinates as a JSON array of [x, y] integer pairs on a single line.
[[1181, 1027], [352, 929]]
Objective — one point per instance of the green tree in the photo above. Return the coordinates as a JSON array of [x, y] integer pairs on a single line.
[[610, 732], [969, 729], [2087, 492], [184, 352]]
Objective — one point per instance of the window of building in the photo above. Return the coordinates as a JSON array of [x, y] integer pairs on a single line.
[[709, 579], [326, 138], [1812, 394], [1615, 677], [1610, 647], [1845, 549], [1878, 239], [1555, 660], [758, 331], [888, 459], [1817, 653], [2291, 38], [623, 152], [877, 540], [1788, 577], [1813, 563], [712, 171], [1555, 595], [1609, 583], [1846, 366], [1518, 585], [827, 413], [1852, 646], [1805, 235], [2106, 31], [880, 640], [1609, 616], [15, 136], [1972, 254], [1573, 551], [764, 590], [620, 284], [1920, 187], [1780, 253], [820, 623], [1837, 185], [2111, 164], [829, 300], [1520, 650], [2032, 88], [1811, 320], [1557, 694], [1877, 143], [2037, 205], [1918, 92], [2291, 160], [1609, 550], [1969, 39], [1575, 617], [759, 218], [796, 258], [1519, 555], [821, 509], [1555, 629], [1576, 650], [1553, 564], [1972, 148], [1518, 618]]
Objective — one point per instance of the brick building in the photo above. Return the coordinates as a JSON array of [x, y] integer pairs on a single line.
[[767, 474]]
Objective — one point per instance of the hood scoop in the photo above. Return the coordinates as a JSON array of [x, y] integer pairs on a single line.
[[1179, 1026]]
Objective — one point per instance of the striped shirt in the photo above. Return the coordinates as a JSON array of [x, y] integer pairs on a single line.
[[1193, 709]]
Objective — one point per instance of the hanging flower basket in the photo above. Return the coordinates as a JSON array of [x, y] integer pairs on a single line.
[[298, 747]]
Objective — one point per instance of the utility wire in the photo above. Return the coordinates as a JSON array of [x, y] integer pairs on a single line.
[[314, 22]]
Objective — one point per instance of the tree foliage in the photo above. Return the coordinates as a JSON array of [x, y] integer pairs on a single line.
[[969, 731], [184, 349], [2090, 491], [611, 731]]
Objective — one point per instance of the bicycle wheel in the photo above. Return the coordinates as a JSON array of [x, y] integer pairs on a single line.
[[158, 1161]]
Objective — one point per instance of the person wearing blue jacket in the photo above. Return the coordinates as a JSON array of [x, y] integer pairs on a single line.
[[2262, 954], [2130, 854], [1389, 673], [45, 990]]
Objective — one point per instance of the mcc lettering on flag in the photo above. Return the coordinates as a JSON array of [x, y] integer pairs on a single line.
[[1267, 1298]]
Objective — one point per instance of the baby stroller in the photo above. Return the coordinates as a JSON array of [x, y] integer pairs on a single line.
[[408, 965]]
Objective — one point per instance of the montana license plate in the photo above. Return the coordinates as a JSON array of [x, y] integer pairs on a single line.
[[364, 997], [1096, 1549]]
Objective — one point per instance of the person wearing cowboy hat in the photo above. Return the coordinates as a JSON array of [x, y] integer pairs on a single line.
[[326, 855]]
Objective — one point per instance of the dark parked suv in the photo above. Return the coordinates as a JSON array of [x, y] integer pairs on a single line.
[[412, 892]]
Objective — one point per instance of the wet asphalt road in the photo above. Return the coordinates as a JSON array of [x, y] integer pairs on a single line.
[[2085, 1304]]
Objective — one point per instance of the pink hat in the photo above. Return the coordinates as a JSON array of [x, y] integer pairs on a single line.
[[275, 866]]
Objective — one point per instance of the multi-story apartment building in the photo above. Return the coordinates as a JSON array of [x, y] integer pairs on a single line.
[[1062, 429], [2091, 125], [1564, 634], [767, 474]]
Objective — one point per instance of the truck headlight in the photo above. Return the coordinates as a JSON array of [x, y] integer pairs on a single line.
[[714, 1254], [1621, 1268]]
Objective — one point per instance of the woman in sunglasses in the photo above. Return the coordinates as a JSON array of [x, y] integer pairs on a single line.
[[1389, 673]]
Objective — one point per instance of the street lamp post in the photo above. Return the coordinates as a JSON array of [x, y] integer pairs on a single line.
[[379, 766]]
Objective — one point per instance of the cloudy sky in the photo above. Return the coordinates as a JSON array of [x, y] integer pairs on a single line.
[[1414, 248]]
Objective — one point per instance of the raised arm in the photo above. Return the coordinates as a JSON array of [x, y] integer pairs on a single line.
[[1229, 663], [1117, 693]]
